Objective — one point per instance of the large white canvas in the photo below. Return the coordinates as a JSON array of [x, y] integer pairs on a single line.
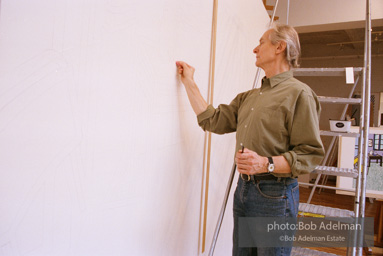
[[100, 152]]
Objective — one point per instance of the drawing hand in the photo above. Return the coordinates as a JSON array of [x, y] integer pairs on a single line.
[[186, 71]]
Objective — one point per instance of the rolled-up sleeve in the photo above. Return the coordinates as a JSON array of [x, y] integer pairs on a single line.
[[306, 148], [222, 119]]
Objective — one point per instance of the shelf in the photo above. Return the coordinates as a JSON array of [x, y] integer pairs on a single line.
[[336, 100], [324, 210], [323, 71], [344, 134], [335, 171], [301, 251]]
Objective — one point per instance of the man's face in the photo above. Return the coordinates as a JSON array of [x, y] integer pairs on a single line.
[[265, 51]]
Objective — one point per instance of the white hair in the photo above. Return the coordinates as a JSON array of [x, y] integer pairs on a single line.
[[289, 35]]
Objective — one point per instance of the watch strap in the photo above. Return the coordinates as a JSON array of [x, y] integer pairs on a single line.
[[270, 167]]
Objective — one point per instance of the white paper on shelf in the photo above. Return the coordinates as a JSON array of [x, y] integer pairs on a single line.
[[349, 75]]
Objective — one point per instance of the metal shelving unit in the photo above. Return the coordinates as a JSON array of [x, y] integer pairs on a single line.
[[330, 170]]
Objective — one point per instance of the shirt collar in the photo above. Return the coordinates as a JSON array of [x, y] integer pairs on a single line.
[[277, 79]]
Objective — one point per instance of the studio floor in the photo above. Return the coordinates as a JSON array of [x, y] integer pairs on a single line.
[[329, 198]]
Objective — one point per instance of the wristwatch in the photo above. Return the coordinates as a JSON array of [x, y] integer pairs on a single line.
[[270, 166]]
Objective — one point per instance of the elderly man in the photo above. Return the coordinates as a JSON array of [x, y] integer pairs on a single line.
[[278, 126]]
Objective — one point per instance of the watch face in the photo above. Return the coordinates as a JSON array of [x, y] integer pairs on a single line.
[[270, 168]]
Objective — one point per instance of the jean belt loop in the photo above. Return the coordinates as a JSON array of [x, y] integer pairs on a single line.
[[279, 180]]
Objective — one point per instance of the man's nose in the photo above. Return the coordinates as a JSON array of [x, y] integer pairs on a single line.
[[255, 50]]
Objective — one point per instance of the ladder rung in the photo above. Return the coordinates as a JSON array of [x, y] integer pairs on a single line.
[[301, 251], [336, 171], [322, 71], [324, 210], [339, 100], [344, 134]]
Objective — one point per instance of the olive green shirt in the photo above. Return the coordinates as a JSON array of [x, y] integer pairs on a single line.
[[280, 118]]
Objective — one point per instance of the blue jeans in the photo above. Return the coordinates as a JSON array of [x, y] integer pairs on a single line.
[[265, 198]]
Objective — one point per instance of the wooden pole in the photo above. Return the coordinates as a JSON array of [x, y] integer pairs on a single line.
[[207, 142]]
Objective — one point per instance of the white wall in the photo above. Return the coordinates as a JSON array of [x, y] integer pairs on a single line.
[[100, 152]]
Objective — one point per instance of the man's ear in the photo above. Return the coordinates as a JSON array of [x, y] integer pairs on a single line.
[[281, 47]]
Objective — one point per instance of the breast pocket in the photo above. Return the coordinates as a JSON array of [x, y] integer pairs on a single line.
[[272, 119], [272, 123]]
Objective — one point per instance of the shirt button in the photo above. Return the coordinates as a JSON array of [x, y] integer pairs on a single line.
[[246, 126], [260, 93], [252, 109]]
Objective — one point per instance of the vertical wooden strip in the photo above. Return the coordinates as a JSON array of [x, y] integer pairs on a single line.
[[206, 190], [207, 144]]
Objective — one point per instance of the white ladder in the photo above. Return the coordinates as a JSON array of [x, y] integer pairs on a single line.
[[318, 210], [330, 170]]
